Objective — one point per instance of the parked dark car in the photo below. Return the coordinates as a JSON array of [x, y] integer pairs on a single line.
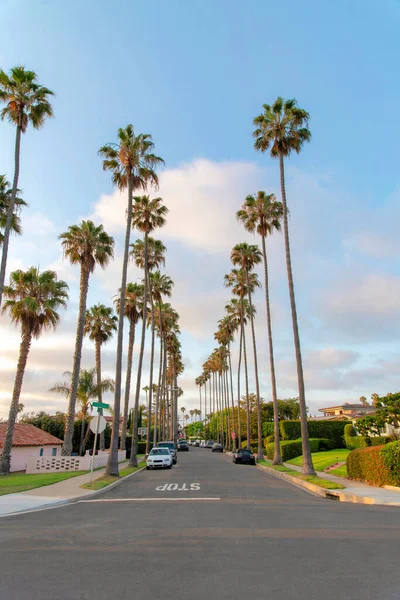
[[183, 445], [217, 448], [244, 456]]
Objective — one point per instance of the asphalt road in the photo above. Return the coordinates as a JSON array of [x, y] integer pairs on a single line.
[[205, 530]]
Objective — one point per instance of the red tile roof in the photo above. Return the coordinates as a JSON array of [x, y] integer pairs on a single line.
[[29, 435]]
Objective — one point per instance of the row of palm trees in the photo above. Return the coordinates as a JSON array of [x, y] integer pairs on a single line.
[[34, 298], [281, 128]]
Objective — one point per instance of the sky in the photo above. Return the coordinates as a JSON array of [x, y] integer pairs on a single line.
[[194, 75]]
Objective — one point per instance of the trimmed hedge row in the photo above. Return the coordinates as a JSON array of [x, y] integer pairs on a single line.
[[293, 448], [333, 430], [379, 465], [352, 440]]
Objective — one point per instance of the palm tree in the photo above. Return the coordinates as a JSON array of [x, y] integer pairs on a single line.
[[262, 213], [247, 256], [100, 325], [237, 280], [283, 128], [132, 311], [88, 388], [132, 163], [85, 245], [183, 410], [147, 215], [32, 299], [27, 102], [5, 198]]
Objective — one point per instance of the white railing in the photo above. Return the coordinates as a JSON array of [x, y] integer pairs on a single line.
[[53, 464]]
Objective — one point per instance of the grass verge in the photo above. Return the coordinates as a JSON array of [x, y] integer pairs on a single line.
[[105, 480], [323, 460], [324, 483], [22, 482]]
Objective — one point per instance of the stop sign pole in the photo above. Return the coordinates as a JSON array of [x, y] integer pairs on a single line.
[[99, 406]]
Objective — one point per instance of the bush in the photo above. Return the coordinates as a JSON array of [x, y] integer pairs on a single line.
[[377, 465], [269, 439], [352, 440], [379, 440], [321, 444], [289, 449], [141, 447], [268, 428], [332, 430], [253, 445]]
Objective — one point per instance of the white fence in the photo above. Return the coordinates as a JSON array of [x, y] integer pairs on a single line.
[[54, 464]]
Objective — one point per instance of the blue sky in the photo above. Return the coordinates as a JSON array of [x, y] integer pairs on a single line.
[[194, 75]]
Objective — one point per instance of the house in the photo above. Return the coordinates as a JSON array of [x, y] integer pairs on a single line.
[[347, 411], [29, 440], [110, 419]]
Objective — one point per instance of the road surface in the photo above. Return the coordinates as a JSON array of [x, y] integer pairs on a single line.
[[207, 529]]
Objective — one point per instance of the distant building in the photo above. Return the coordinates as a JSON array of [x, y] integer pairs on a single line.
[[29, 440], [347, 411]]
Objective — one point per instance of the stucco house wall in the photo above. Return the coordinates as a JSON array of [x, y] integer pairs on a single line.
[[20, 454]]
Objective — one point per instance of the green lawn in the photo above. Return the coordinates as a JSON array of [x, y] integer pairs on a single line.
[[105, 480], [324, 483], [322, 460], [20, 482]]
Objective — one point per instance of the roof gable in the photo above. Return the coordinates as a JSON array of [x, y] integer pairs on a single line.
[[26, 434]]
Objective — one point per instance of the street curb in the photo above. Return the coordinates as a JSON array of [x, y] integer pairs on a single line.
[[337, 495], [66, 501], [309, 487]]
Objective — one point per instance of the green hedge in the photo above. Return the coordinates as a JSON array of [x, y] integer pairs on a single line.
[[253, 445], [332, 430], [379, 440], [268, 428], [320, 444], [141, 447], [354, 441], [379, 465], [289, 449], [269, 439]]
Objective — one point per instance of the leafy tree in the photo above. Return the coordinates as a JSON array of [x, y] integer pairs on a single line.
[[26, 102], [87, 389], [283, 128], [388, 411], [132, 163], [32, 300], [86, 245]]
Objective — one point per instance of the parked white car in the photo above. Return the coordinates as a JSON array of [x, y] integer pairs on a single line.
[[159, 458]]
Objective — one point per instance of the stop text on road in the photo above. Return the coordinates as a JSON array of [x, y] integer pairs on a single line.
[[177, 487]]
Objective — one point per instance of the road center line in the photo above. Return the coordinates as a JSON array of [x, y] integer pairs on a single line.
[[145, 500]]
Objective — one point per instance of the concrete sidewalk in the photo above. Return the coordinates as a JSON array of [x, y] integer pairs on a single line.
[[47, 495], [357, 492]]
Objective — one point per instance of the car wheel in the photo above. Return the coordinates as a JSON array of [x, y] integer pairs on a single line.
[[147, 468], [169, 466]]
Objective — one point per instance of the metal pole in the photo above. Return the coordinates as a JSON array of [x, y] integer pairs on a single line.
[[94, 445]]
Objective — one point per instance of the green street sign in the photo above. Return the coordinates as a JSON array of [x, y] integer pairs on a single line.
[[100, 405]]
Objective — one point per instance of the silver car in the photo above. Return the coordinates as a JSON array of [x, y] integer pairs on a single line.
[[159, 458]]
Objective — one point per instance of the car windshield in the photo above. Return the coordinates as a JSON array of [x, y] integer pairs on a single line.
[[245, 451], [158, 451], [167, 445]]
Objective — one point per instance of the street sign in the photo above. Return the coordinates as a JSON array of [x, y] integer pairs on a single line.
[[142, 430], [101, 426], [233, 435], [100, 405]]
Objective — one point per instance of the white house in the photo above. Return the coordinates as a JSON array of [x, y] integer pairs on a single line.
[[29, 440]]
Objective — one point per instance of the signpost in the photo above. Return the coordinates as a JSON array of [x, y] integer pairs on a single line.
[[97, 425], [142, 431]]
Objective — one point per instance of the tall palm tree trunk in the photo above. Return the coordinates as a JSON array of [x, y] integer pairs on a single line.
[[81, 449], [232, 399], [112, 465], [246, 373], [239, 434], [5, 458], [205, 402], [129, 362], [200, 400], [260, 454], [308, 467], [10, 212], [175, 438], [229, 434], [152, 355], [277, 450], [69, 423], [133, 459]]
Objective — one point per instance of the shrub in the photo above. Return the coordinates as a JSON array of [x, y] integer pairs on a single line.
[[379, 440], [353, 440], [377, 465], [141, 447], [332, 430], [320, 444], [268, 428], [253, 445], [269, 439], [289, 449], [391, 458]]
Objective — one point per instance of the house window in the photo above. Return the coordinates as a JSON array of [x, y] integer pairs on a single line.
[[41, 452], [54, 451]]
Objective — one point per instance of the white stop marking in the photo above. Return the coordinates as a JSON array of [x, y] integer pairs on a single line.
[[176, 487]]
